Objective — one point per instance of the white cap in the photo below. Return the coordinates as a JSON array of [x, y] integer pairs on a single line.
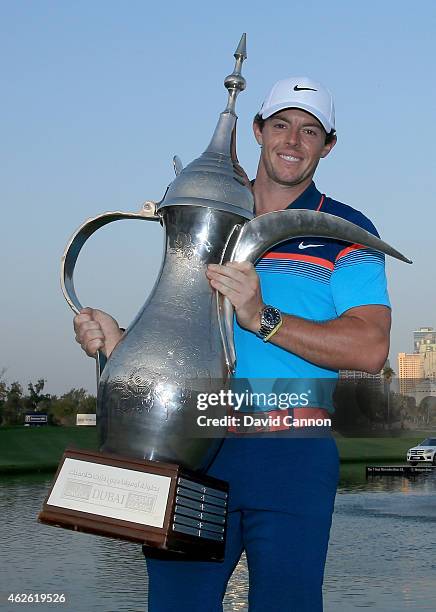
[[304, 93]]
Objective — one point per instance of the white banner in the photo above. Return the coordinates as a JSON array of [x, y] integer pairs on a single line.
[[86, 419]]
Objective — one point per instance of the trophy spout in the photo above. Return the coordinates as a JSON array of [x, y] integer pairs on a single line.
[[268, 230], [265, 231]]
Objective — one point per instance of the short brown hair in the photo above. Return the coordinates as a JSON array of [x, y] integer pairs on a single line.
[[260, 122]]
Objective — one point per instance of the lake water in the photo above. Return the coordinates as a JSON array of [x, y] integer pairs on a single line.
[[382, 553]]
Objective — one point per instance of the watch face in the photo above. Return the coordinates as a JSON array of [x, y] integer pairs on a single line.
[[271, 316]]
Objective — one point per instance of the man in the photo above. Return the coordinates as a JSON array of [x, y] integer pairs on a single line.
[[308, 308]]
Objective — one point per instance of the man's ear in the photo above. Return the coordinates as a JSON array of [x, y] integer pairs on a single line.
[[257, 133], [328, 147]]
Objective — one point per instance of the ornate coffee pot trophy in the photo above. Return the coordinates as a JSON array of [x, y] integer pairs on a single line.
[[147, 483]]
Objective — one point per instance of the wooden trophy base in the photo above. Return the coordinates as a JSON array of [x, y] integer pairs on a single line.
[[172, 512]]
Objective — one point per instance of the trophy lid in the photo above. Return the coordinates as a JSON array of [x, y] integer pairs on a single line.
[[211, 179]]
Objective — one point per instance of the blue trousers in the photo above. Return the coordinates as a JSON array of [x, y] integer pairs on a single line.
[[281, 502]]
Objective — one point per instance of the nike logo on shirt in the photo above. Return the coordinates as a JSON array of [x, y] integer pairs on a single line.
[[307, 246]]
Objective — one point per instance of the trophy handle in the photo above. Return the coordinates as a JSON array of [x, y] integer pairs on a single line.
[[74, 246], [177, 165], [265, 231], [225, 307]]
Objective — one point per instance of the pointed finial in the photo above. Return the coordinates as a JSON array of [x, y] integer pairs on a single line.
[[235, 82], [213, 179], [241, 50]]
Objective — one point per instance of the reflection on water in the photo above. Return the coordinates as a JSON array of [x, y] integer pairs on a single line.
[[382, 551], [94, 573]]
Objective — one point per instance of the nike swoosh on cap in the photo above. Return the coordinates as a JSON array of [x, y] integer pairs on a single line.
[[298, 88], [307, 246]]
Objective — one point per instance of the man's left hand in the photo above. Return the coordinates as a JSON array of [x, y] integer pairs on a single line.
[[240, 283]]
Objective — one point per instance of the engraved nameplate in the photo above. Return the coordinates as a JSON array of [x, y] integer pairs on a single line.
[[105, 490], [201, 497], [200, 533], [206, 516], [197, 505], [196, 486]]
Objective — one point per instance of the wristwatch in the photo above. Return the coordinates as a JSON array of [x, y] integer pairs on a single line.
[[270, 322]]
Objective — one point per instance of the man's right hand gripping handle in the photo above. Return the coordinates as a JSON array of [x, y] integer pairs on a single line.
[[96, 331]]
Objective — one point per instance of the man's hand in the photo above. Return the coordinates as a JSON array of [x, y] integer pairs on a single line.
[[96, 331], [240, 283]]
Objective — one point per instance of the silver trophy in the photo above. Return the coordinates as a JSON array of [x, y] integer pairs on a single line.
[[181, 341]]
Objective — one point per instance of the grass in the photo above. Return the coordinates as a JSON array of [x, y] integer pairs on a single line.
[[377, 450], [31, 449], [25, 449]]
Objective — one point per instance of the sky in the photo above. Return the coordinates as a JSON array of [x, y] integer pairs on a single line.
[[97, 97]]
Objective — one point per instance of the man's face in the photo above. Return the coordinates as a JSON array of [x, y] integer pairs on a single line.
[[293, 142]]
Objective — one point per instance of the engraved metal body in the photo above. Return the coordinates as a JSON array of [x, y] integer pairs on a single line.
[[183, 335], [148, 386]]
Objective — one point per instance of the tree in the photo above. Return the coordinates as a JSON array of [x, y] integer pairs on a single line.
[[65, 408], [388, 374], [13, 405], [36, 400], [61, 411], [427, 407], [3, 393]]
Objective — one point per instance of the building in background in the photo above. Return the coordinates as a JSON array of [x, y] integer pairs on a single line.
[[358, 375], [410, 371], [417, 370], [428, 352], [374, 380], [422, 337]]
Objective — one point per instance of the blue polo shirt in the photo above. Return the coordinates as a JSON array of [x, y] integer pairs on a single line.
[[317, 279]]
